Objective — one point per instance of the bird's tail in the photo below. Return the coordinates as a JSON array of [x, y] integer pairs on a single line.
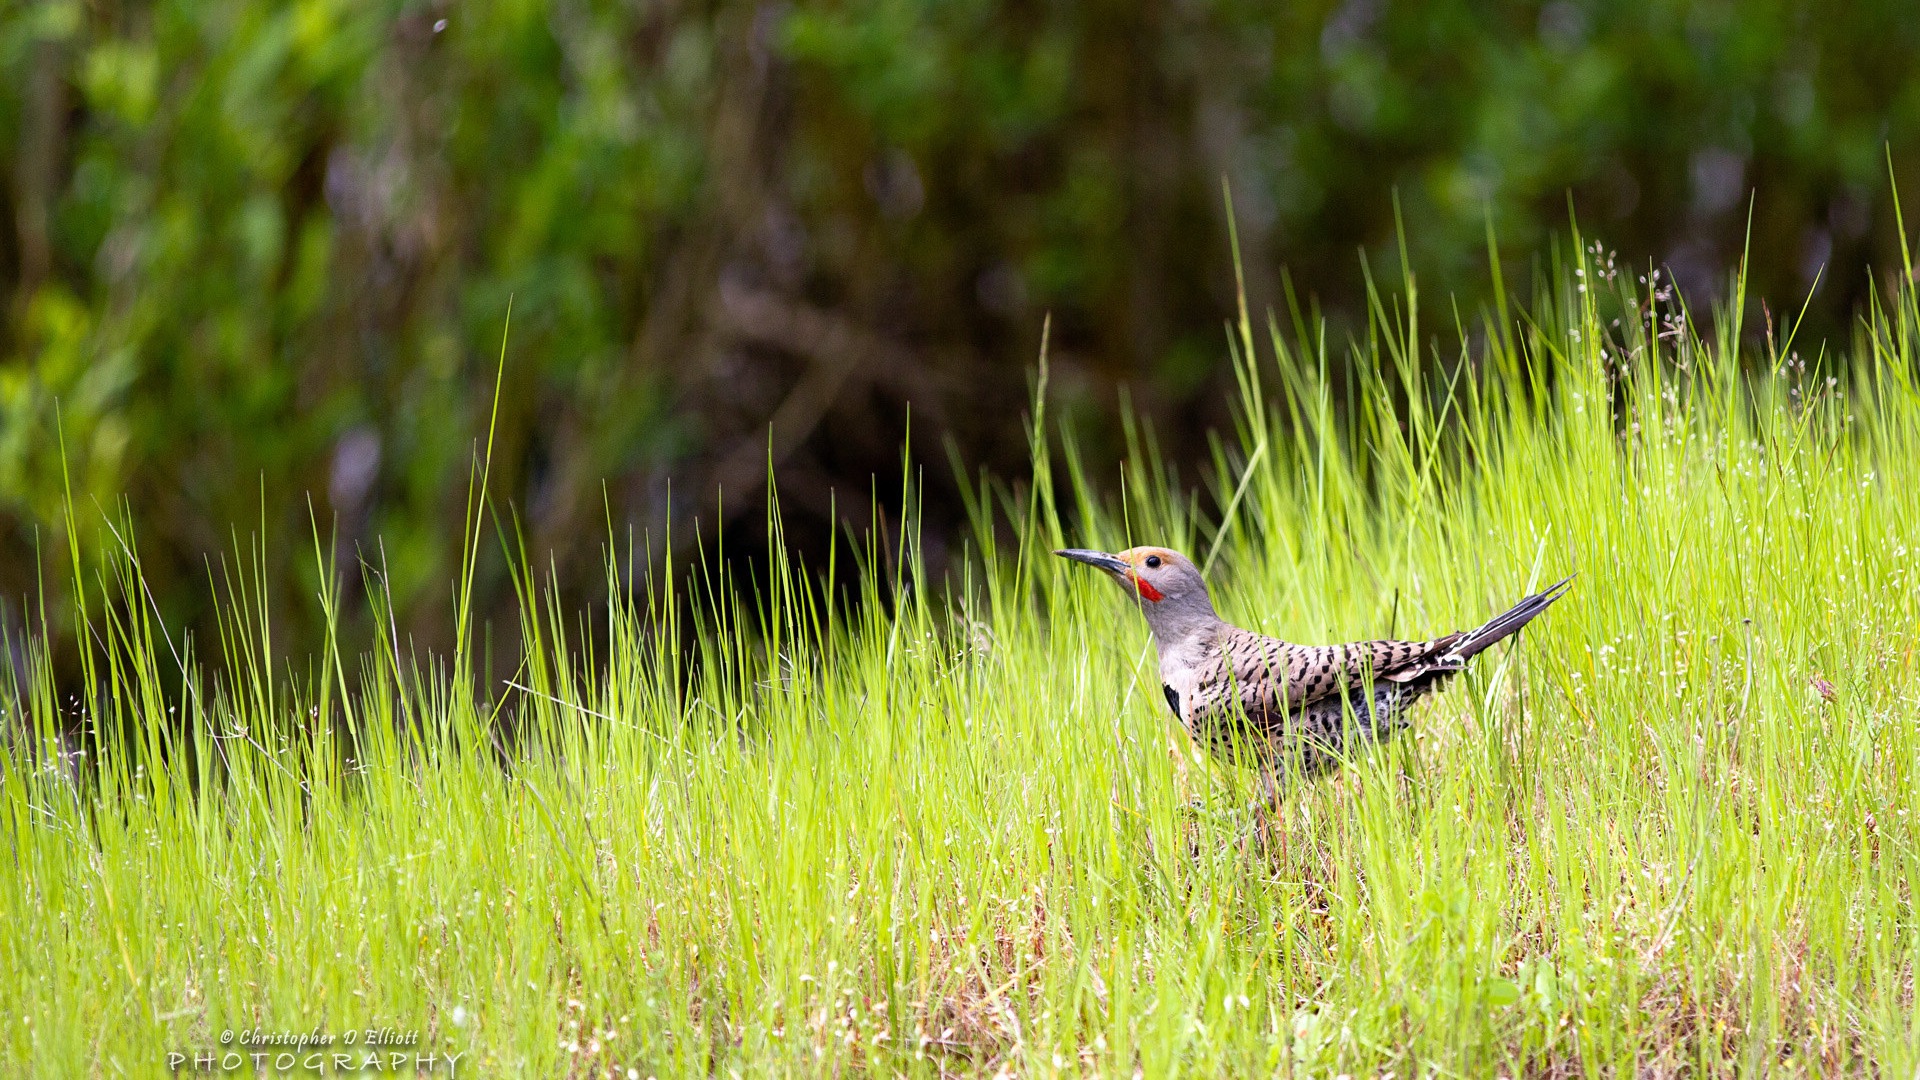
[[1508, 623]]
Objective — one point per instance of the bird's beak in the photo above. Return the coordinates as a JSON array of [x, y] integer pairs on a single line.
[[1112, 564]]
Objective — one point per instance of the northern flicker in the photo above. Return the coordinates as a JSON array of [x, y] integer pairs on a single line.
[[1290, 704]]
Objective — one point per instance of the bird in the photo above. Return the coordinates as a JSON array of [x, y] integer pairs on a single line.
[[1304, 708]]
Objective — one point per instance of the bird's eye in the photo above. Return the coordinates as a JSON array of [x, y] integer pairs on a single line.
[[1153, 562]]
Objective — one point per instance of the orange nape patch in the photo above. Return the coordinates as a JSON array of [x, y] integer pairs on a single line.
[[1146, 590]]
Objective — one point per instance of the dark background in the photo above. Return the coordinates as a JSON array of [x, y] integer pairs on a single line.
[[256, 255]]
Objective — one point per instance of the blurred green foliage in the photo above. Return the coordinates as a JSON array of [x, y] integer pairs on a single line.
[[260, 254]]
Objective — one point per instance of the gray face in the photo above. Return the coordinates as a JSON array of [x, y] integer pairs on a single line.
[[1166, 584]]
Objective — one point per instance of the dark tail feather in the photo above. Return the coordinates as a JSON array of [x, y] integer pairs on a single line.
[[1507, 624]]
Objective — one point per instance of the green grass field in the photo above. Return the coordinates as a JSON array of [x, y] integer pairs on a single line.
[[1670, 831]]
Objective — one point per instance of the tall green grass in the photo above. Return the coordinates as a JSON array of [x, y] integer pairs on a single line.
[[951, 828]]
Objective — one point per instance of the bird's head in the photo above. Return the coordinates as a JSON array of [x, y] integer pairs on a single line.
[[1167, 585]]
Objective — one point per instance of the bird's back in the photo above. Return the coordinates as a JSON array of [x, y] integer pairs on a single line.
[[1282, 698], [1307, 703]]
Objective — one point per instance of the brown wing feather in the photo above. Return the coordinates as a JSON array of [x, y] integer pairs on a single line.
[[1264, 669], [1296, 702], [1295, 698]]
